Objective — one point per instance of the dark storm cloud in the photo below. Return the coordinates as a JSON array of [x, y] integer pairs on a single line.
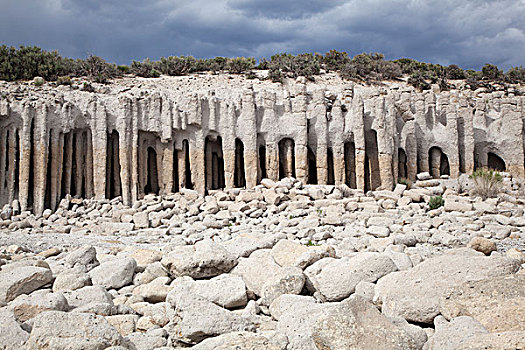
[[468, 32]]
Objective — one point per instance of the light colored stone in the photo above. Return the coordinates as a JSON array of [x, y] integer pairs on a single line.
[[451, 335], [26, 307], [154, 291], [483, 245], [71, 280], [289, 280], [357, 324], [22, 280], [83, 258], [12, 336], [239, 340], [497, 303], [198, 318], [62, 330], [257, 269], [114, 273], [204, 259], [414, 294], [336, 279], [124, 324]]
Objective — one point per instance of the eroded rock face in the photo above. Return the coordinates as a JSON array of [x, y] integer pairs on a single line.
[[497, 303], [357, 324], [133, 121], [22, 280], [55, 330], [415, 294], [204, 259]]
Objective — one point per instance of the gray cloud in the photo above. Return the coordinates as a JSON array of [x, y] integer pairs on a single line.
[[470, 33]]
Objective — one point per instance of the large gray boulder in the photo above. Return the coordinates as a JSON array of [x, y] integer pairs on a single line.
[[114, 273], [82, 259], [450, 335], [255, 270], [228, 291], [22, 280], [88, 295], [26, 307], [336, 279], [240, 340], [72, 331], [71, 280], [497, 303], [297, 315], [12, 336], [197, 318], [202, 260], [289, 280], [414, 294], [357, 324]]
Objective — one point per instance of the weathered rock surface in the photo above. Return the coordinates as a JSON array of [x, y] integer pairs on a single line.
[[61, 330], [336, 279], [22, 280], [497, 303], [357, 324], [202, 260], [12, 336], [115, 273], [415, 294]]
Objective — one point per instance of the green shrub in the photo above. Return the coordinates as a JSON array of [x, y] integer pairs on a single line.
[[334, 60], [487, 183], [240, 65], [515, 75], [145, 69], [455, 72], [123, 69], [98, 70], [176, 66], [491, 72], [371, 67], [38, 81], [436, 202], [64, 80]]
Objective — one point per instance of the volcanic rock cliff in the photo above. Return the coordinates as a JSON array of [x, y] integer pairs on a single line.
[[138, 136]]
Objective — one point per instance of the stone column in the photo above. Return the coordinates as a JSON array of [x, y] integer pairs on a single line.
[[100, 174], [272, 161], [339, 163], [25, 158], [322, 164], [167, 168], [68, 162], [12, 165], [436, 162], [79, 163], [3, 168], [54, 145], [197, 164], [40, 167]]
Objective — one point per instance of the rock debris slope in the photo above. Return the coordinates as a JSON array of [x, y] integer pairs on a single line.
[[238, 269]]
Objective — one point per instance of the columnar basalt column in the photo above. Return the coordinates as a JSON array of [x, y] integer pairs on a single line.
[[68, 163], [25, 157], [41, 149], [88, 168], [197, 162], [96, 153], [54, 161], [435, 159], [167, 168], [79, 162], [12, 164], [4, 146]]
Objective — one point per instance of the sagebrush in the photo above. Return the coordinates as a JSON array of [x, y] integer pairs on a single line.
[[488, 183]]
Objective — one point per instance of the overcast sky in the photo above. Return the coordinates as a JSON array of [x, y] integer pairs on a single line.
[[469, 33]]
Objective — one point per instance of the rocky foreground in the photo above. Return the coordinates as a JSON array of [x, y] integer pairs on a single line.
[[282, 266]]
